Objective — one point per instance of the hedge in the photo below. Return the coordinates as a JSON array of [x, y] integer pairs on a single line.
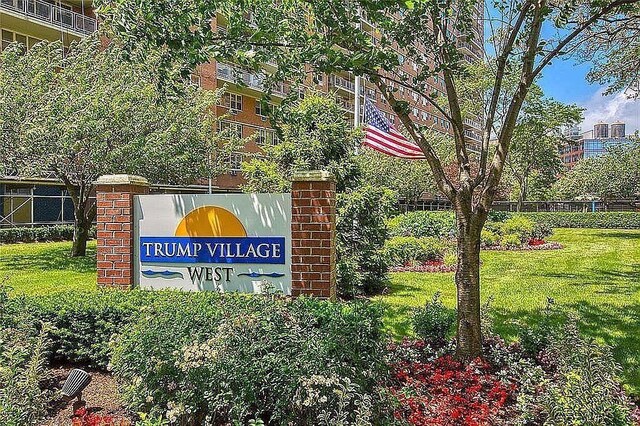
[[610, 220], [45, 233]]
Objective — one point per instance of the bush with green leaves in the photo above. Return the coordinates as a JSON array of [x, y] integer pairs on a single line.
[[602, 220], [404, 250], [584, 388], [510, 240], [214, 358], [83, 322], [423, 224], [25, 234], [489, 238], [361, 235], [433, 321], [518, 225], [23, 362]]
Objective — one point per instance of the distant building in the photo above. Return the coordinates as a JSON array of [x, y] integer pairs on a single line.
[[601, 130], [618, 130], [592, 143]]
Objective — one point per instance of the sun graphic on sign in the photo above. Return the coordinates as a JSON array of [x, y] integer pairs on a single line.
[[210, 221]]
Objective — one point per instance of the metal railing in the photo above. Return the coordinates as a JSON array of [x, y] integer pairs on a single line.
[[52, 14], [254, 81], [570, 206], [34, 210]]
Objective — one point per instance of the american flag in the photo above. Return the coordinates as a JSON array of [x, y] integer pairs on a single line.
[[380, 135]]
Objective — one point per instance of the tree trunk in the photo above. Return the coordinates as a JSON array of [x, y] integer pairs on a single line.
[[522, 196], [81, 227], [469, 336]]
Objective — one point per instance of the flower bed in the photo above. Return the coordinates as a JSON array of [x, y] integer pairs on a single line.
[[447, 392], [428, 266], [526, 247]]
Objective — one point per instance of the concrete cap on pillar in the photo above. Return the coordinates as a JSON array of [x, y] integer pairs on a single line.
[[313, 176], [122, 180]]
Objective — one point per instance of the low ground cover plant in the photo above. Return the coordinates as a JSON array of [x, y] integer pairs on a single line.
[[26, 234], [23, 360]]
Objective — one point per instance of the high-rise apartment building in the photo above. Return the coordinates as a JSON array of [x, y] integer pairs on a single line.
[[29, 21], [593, 143]]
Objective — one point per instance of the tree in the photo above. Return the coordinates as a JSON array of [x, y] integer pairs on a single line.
[[409, 179], [613, 45], [535, 142], [315, 135], [88, 113], [614, 175], [325, 36]]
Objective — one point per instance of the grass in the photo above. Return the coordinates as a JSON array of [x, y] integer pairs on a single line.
[[42, 268], [596, 275]]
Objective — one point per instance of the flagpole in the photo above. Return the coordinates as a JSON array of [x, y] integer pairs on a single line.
[[356, 113]]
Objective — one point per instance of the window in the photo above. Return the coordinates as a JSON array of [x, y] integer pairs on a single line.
[[230, 129], [233, 101], [195, 79], [9, 37], [415, 112], [267, 137], [235, 162], [263, 109]]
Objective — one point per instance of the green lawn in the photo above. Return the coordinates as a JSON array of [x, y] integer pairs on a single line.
[[41, 268], [596, 274]]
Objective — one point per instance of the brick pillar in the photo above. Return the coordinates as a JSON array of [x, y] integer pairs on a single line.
[[313, 234], [114, 228]]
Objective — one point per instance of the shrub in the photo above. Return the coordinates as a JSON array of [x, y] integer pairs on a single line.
[[541, 231], [423, 224], [518, 225], [510, 240], [489, 238], [498, 216], [584, 389], [83, 322], [23, 346], [608, 220], [361, 234], [403, 250], [237, 358], [433, 321], [45, 233]]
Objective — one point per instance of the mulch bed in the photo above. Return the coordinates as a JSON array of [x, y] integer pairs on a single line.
[[100, 398]]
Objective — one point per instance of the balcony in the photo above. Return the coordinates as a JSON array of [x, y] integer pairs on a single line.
[[251, 80], [51, 14]]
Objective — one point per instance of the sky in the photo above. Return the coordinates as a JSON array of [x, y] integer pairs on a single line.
[[565, 81]]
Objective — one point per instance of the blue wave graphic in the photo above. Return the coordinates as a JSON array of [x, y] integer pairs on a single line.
[[162, 274], [258, 275]]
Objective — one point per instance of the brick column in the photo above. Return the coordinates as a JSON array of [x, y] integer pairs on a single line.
[[313, 234], [114, 228]]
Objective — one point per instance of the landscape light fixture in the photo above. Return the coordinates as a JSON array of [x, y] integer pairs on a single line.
[[75, 383]]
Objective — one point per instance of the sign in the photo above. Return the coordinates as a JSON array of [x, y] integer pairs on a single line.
[[221, 242]]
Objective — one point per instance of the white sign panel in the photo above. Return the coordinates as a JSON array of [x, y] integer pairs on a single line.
[[220, 242]]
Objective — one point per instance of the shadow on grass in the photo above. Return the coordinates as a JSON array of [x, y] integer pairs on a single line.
[[53, 257], [397, 321], [617, 326], [623, 235]]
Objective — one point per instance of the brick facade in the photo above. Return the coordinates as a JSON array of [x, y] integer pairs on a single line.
[[313, 235], [114, 228]]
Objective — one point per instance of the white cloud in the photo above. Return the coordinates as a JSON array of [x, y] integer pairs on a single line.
[[610, 109]]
